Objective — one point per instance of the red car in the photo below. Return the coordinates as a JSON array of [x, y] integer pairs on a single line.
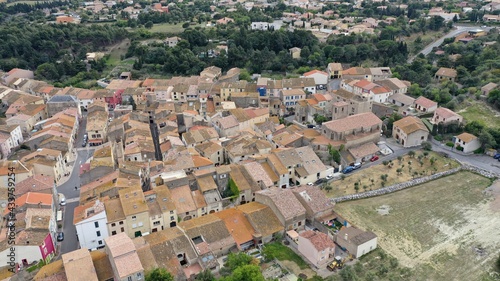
[[374, 158]]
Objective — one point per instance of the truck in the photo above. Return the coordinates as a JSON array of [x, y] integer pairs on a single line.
[[337, 263]]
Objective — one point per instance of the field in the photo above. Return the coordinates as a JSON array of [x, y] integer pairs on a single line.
[[171, 28], [370, 178], [446, 229], [473, 110]]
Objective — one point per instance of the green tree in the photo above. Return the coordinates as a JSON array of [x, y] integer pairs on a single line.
[[244, 273], [319, 119], [205, 275], [334, 154], [487, 140], [159, 274]]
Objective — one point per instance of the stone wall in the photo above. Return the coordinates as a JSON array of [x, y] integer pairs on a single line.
[[400, 186]]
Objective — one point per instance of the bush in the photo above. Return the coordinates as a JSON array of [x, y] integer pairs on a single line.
[[426, 146], [438, 138], [459, 148], [450, 144]]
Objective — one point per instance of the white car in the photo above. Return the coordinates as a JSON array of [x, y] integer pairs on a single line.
[[329, 177], [62, 199], [310, 183]]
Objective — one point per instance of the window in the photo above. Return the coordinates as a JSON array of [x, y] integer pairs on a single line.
[[99, 242], [129, 278], [121, 223], [140, 224], [133, 218], [113, 224], [96, 224], [171, 212], [122, 229], [134, 225], [172, 218], [98, 233], [156, 223], [113, 232]]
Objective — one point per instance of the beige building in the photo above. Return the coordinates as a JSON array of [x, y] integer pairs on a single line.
[[124, 258], [353, 130], [445, 73], [316, 246], [410, 131], [285, 206], [78, 265], [135, 210], [46, 162], [97, 127], [335, 70], [444, 116]]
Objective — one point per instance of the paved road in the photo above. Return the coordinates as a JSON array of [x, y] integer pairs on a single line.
[[72, 195], [458, 30]]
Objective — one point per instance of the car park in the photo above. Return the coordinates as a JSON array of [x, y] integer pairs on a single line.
[[374, 158], [348, 169]]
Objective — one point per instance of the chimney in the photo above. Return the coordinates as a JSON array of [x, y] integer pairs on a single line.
[[345, 237]]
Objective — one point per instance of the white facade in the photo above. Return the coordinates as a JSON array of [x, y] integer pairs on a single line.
[[381, 98], [86, 102], [22, 252], [366, 247], [92, 231], [320, 78], [260, 25]]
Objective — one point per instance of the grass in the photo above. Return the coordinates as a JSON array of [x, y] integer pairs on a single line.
[[473, 110], [282, 252], [171, 28], [433, 227], [427, 38], [370, 178]]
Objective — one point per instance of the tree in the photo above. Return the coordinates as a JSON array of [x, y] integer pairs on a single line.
[[319, 119], [159, 274], [334, 154], [148, 25], [487, 140], [244, 273], [426, 146], [411, 153], [205, 275]]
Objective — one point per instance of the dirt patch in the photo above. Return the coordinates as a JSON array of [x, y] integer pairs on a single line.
[[445, 229], [384, 210], [494, 191], [293, 267]]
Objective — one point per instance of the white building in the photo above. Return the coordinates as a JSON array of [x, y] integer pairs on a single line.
[[356, 241], [11, 136], [90, 221], [260, 25], [320, 77], [468, 142]]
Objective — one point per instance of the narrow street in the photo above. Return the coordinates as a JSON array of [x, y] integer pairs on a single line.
[[71, 193]]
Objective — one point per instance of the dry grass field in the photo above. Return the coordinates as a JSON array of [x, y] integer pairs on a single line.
[[447, 229], [370, 178]]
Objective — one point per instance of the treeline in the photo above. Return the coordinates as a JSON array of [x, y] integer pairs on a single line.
[[265, 50], [59, 49], [27, 8]]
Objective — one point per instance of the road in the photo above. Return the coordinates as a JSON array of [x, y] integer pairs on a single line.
[[458, 30], [72, 195]]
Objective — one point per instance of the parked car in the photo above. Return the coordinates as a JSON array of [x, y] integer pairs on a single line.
[[311, 126], [62, 199], [319, 181], [60, 236], [497, 156], [329, 177], [310, 183], [84, 144], [374, 158], [348, 169], [356, 165]]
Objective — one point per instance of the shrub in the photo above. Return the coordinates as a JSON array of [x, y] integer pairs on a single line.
[[450, 144], [426, 146], [438, 138]]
